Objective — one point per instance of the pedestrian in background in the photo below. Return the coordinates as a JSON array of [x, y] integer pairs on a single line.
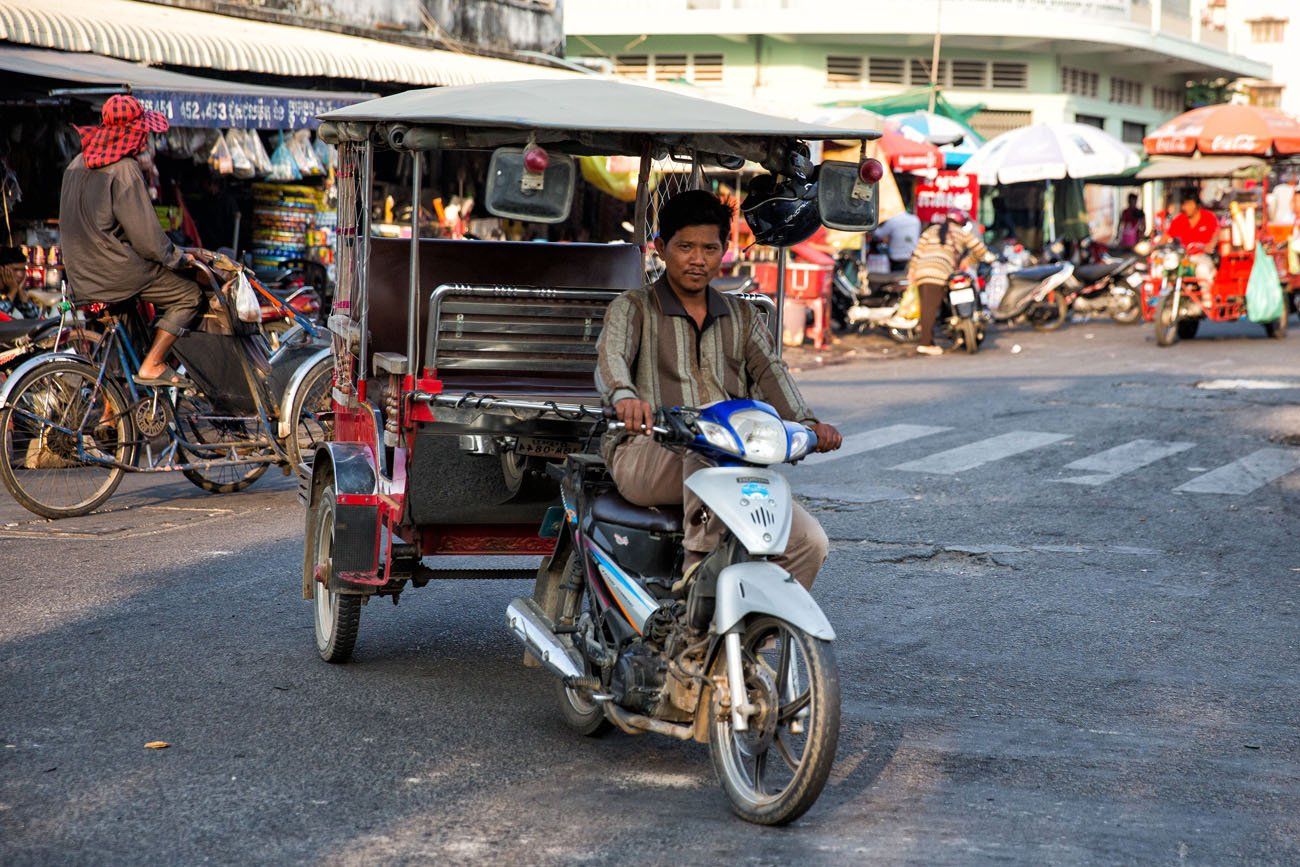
[[900, 233], [939, 251], [1132, 223]]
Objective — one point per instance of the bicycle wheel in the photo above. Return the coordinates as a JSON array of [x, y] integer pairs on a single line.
[[57, 433], [199, 423], [312, 411]]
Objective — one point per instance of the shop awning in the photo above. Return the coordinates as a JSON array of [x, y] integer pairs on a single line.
[[186, 100], [165, 35]]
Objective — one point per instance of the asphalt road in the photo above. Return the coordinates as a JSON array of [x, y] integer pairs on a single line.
[[1064, 582]]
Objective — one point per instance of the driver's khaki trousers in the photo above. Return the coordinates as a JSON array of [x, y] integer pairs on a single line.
[[648, 474]]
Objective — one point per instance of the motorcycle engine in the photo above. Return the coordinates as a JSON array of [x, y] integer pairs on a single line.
[[638, 679]]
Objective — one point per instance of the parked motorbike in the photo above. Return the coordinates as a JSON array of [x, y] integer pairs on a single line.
[[1112, 288], [300, 286], [862, 300], [737, 654], [1035, 295]]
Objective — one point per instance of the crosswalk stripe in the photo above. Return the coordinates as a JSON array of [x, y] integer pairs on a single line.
[[976, 454], [878, 438], [1113, 463], [1246, 474]]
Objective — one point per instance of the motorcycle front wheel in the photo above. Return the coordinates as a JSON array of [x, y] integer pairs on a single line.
[[968, 333], [1127, 309], [776, 769]]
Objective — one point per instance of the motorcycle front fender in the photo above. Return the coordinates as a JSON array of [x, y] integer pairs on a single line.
[[762, 587]]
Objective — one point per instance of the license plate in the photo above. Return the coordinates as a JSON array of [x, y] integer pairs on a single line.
[[961, 296], [544, 448]]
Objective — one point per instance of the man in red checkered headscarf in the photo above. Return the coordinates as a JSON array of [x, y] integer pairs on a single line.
[[114, 248]]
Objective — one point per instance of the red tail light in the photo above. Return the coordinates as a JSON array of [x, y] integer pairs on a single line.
[[536, 159], [871, 171]]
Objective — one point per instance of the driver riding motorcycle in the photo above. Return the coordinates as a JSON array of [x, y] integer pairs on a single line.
[[1195, 228], [679, 342], [114, 248]]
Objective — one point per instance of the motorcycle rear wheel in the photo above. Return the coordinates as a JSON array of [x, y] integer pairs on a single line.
[[1050, 313], [580, 712], [1128, 309], [795, 726]]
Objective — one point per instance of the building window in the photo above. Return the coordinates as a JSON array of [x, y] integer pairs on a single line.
[[1090, 120], [1133, 133], [885, 70], [970, 74], [920, 71], [993, 123], [1010, 76], [706, 69], [1079, 82], [1267, 29], [1125, 91], [1167, 99], [632, 65], [843, 70], [1265, 95]]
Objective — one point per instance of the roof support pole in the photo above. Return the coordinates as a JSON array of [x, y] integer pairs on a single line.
[[640, 229], [361, 263], [413, 296]]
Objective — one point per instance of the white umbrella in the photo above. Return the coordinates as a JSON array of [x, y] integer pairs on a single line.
[[1049, 151]]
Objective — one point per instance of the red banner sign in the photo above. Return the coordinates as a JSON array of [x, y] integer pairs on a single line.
[[947, 190]]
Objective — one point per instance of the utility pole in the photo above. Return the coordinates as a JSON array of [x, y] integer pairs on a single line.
[[934, 57]]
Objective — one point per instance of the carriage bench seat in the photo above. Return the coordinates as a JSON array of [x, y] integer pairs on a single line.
[[501, 317]]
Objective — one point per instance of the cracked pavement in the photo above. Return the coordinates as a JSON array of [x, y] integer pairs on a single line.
[[1033, 671]]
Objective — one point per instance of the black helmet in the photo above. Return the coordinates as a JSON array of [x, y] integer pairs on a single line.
[[784, 214]]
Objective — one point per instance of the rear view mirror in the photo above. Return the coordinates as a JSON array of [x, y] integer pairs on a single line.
[[846, 201], [516, 191]]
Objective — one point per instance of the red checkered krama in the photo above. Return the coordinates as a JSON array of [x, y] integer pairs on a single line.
[[123, 133]]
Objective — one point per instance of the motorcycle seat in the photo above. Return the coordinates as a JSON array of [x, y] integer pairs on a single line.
[[740, 283], [1036, 274], [1088, 274], [885, 278], [610, 508], [11, 330]]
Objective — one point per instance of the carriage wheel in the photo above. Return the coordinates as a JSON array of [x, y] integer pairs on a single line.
[[337, 615]]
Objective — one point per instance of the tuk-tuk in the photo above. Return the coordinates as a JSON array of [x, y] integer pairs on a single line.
[[464, 396]]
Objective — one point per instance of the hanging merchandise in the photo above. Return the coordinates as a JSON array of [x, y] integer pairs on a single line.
[[243, 166], [324, 153], [283, 165], [304, 154], [257, 152], [219, 157]]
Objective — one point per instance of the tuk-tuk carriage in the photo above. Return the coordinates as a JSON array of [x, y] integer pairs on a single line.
[[464, 402]]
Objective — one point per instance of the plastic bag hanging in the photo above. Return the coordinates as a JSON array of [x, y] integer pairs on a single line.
[[247, 307], [243, 166], [219, 157], [300, 147], [257, 152], [1264, 299], [283, 165], [324, 153]]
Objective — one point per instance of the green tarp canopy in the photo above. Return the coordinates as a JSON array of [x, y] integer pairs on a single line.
[[912, 100]]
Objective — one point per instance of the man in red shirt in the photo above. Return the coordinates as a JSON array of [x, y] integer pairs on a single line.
[[1196, 229]]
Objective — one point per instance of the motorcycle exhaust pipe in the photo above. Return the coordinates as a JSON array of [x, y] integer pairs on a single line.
[[532, 627]]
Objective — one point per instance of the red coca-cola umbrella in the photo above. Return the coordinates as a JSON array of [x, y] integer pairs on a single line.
[[1230, 130], [907, 155]]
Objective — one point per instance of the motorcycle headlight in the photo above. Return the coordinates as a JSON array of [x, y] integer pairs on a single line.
[[762, 436], [719, 437], [1142, 248], [1172, 260]]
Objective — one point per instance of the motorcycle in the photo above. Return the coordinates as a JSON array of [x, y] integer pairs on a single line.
[[1036, 295], [858, 307], [296, 289], [736, 653], [1110, 288]]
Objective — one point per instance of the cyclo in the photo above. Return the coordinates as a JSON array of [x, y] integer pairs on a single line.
[[74, 423], [465, 414]]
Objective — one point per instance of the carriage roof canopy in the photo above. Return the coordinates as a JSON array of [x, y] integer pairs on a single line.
[[584, 107]]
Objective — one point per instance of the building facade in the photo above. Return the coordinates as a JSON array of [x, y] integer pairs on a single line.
[[1122, 65], [1268, 30]]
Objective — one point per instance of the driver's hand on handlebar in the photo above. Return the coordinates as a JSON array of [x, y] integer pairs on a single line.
[[637, 416], [828, 438]]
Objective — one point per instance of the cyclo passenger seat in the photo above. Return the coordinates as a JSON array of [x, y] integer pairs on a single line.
[[611, 508]]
